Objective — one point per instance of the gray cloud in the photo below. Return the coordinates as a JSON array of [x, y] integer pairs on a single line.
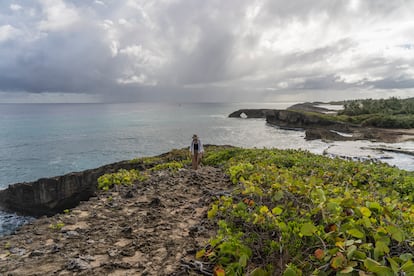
[[210, 50]]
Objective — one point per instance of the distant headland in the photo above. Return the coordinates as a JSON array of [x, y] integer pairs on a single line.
[[384, 120]]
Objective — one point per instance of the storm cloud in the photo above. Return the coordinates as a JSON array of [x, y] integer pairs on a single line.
[[207, 50]]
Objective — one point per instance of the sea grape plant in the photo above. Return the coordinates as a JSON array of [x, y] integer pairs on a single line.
[[295, 213]]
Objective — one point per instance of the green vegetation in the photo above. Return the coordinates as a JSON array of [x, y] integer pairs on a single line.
[[391, 106], [386, 113], [172, 166], [296, 213], [57, 226], [173, 161], [122, 177], [382, 113]]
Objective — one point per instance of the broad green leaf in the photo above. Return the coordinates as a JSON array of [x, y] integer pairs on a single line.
[[278, 195], [200, 253], [277, 211], [338, 261], [347, 269], [348, 202], [376, 267], [406, 257], [366, 222], [308, 229], [333, 207], [349, 242], [408, 266], [360, 255], [385, 271], [365, 212], [396, 233], [382, 247], [340, 244], [243, 260], [283, 227], [321, 195], [350, 251], [374, 206], [289, 272], [264, 210], [394, 265], [356, 233], [371, 264]]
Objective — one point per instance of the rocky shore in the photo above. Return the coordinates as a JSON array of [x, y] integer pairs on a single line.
[[48, 196], [152, 227], [309, 117]]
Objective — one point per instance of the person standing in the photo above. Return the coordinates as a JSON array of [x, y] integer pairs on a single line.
[[197, 151]]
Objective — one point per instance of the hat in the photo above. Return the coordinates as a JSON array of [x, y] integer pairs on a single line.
[[195, 136]]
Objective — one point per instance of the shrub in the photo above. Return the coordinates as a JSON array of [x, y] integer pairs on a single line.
[[122, 177], [296, 213], [172, 166]]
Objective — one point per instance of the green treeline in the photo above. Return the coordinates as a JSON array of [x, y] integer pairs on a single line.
[[391, 106], [386, 113]]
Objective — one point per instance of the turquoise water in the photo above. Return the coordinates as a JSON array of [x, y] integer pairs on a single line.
[[43, 140]]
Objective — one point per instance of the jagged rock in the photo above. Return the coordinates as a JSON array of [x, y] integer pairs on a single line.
[[48, 196], [72, 234], [249, 113], [156, 202], [17, 251], [36, 253], [77, 264], [137, 236], [296, 119], [324, 134]]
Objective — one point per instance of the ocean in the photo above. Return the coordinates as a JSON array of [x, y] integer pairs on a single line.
[[44, 140]]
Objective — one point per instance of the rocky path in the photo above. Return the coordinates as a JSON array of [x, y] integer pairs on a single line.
[[145, 229]]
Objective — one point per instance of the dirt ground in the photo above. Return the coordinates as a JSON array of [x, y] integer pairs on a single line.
[[151, 228]]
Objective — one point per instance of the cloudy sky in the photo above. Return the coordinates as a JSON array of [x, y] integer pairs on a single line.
[[205, 50]]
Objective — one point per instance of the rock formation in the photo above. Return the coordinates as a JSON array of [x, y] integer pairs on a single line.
[[325, 134], [250, 113], [48, 196], [148, 228], [311, 118]]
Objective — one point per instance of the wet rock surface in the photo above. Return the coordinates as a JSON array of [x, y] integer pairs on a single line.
[[150, 228]]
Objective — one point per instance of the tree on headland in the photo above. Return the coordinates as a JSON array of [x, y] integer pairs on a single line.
[[391, 106]]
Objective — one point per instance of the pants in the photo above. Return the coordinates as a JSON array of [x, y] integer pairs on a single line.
[[196, 159]]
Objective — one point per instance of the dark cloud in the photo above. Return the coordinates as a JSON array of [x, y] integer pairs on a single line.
[[210, 50]]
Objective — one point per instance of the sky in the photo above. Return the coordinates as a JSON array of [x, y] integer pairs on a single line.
[[205, 50]]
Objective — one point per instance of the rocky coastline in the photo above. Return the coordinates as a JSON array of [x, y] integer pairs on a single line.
[[152, 227], [307, 116], [48, 196]]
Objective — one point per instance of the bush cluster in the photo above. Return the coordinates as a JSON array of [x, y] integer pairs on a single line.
[[295, 213], [122, 177]]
